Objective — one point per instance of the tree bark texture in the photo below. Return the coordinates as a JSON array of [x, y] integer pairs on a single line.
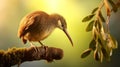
[[15, 56]]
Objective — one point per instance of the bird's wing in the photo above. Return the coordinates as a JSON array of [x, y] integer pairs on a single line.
[[25, 23], [30, 21]]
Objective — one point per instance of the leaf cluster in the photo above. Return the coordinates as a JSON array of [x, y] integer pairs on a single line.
[[102, 43]]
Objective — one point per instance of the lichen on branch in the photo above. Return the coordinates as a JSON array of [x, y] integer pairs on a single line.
[[15, 55]]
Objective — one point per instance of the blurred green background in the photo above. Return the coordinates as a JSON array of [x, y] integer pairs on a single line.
[[12, 11]]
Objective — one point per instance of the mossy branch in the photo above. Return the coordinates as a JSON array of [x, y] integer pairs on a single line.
[[15, 56]]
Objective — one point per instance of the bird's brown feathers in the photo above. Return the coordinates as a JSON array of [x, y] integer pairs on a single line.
[[39, 25], [28, 22]]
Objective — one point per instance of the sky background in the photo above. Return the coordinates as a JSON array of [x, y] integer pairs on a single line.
[[12, 11]]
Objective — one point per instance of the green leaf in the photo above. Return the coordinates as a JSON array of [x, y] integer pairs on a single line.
[[95, 33], [103, 34], [113, 42], [101, 17], [101, 56], [98, 25], [92, 44], [88, 18], [96, 55], [105, 54], [86, 53], [108, 47], [105, 47], [99, 41], [114, 7], [90, 26], [94, 10]]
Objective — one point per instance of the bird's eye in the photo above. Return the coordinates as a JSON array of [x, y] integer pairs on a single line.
[[62, 25]]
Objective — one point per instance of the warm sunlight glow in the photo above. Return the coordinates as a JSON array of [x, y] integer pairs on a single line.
[[12, 12], [52, 4], [69, 9]]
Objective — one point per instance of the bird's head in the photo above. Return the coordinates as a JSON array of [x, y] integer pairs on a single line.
[[61, 24]]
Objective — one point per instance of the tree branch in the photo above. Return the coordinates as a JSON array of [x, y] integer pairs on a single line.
[[15, 56]]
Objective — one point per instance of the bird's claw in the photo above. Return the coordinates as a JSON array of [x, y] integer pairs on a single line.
[[45, 47]]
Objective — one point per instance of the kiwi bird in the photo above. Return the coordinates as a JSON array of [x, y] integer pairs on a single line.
[[38, 25]]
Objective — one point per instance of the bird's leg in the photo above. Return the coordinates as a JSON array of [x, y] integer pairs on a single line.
[[41, 43]]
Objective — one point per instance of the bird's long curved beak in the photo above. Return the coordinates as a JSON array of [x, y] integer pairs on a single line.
[[65, 31]]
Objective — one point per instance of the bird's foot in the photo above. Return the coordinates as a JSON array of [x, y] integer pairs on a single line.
[[31, 45], [36, 50], [43, 46]]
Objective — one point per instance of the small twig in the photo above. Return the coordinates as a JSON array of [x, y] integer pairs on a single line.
[[15, 56], [99, 9], [107, 24]]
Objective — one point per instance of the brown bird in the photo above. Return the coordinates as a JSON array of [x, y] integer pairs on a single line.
[[38, 25]]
